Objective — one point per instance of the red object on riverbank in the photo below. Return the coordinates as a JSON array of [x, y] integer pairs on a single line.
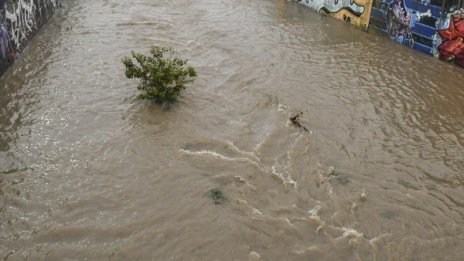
[[452, 47]]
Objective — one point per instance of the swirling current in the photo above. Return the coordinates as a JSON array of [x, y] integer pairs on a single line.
[[88, 172]]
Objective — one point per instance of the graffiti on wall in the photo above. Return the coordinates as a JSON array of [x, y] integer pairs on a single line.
[[4, 43], [19, 19], [356, 12], [401, 21], [408, 22], [422, 25]]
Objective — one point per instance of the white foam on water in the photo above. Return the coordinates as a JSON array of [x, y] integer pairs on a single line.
[[257, 211], [281, 108], [292, 148], [249, 158], [311, 249], [234, 148], [354, 206], [246, 207], [286, 220], [286, 178], [255, 255], [330, 171], [352, 235], [314, 212], [262, 142], [363, 195], [314, 216], [213, 154], [323, 175], [376, 242], [241, 179]]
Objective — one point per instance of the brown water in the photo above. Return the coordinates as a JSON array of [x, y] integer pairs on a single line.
[[90, 173]]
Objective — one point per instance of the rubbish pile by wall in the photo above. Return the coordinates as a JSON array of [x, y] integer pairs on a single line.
[[19, 20]]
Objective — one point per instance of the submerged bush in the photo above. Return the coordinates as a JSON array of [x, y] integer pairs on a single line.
[[217, 196], [162, 75]]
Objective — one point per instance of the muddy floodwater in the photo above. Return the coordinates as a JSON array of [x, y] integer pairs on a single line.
[[88, 172]]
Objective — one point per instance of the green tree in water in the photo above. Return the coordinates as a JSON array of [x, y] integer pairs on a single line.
[[162, 75]]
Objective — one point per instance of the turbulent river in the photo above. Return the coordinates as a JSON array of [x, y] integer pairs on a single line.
[[88, 172]]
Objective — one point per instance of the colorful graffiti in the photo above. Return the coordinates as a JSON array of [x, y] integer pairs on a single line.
[[356, 12], [401, 20], [19, 20], [408, 22], [423, 25]]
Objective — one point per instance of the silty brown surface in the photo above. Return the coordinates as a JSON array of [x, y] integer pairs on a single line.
[[89, 172]]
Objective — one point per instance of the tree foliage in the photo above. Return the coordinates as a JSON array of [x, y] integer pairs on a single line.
[[162, 75]]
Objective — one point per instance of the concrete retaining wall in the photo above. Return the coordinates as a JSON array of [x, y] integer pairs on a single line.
[[19, 21]]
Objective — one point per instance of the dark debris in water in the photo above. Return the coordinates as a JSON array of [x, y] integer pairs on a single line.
[[388, 214], [340, 179], [217, 196], [295, 119]]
